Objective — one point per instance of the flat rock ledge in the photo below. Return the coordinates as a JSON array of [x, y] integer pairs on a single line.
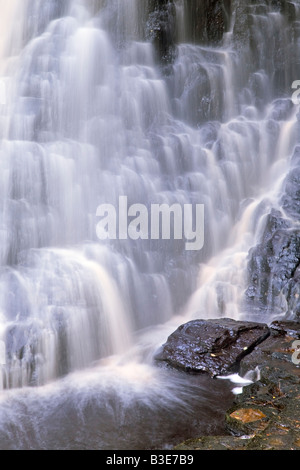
[[266, 415], [212, 346]]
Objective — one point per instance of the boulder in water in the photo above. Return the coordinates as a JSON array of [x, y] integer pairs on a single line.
[[212, 346]]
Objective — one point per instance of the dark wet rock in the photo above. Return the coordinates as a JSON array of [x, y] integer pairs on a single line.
[[266, 415], [19, 351], [285, 328], [275, 394], [275, 354], [290, 10], [275, 221], [208, 20], [273, 266], [247, 16], [212, 346], [161, 30], [24, 350]]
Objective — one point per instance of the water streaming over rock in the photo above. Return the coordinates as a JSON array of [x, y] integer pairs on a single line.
[[161, 102]]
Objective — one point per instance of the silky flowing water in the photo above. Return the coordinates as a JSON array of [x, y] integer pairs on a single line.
[[88, 114]]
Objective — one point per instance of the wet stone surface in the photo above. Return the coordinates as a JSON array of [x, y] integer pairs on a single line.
[[266, 415], [212, 346]]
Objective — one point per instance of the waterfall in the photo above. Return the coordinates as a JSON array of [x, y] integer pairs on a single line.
[[101, 100]]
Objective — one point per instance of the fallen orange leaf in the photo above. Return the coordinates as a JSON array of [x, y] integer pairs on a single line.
[[248, 415]]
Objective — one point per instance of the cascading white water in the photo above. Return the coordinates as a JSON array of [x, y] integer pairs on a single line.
[[88, 115]]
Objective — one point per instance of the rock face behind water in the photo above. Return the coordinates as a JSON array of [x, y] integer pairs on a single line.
[[207, 21], [274, 264], [212, 346]]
